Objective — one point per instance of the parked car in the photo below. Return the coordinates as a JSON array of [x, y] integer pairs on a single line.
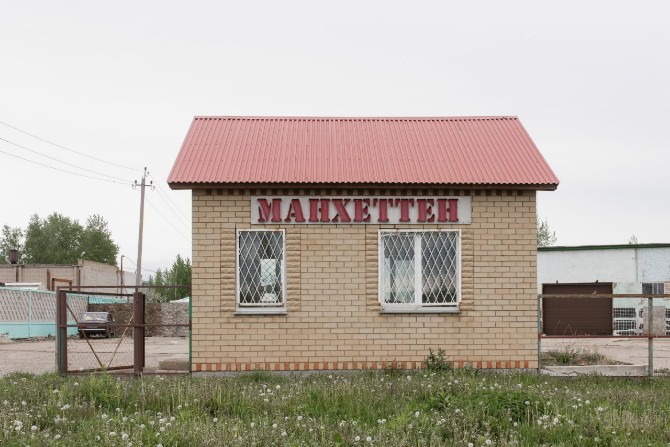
[[96, 323]]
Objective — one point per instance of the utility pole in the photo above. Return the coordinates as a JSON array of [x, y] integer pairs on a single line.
[[138, 274]]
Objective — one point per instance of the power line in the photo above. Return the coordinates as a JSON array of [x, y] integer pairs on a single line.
[[173, 206], [68, 149], [61, 170], [135, 264], [61, 161], [167, 220]]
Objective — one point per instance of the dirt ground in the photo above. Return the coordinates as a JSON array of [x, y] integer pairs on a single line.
[[39, 356], [630, 351]]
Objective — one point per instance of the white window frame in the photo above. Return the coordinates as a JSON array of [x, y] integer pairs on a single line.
[[260, 308], [418, 306]]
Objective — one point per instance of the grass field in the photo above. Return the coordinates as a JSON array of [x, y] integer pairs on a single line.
[[387, 408]]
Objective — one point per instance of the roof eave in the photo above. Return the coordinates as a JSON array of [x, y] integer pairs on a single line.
[[305, 185]]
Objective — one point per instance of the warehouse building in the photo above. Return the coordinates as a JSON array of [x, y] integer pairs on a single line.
[[361, 243], [607, 269]]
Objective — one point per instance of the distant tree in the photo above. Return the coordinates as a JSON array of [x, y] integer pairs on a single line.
[[177, 275], [61, 240], [96, 241], [54, 240], [633, 240], [10, 239], [545, 237]]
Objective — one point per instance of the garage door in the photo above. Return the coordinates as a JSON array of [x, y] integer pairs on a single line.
[[577, 316]]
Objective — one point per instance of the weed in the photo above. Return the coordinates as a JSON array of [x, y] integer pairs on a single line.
[[436, 362]]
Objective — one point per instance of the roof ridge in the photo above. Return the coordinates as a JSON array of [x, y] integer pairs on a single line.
[[358, 118]]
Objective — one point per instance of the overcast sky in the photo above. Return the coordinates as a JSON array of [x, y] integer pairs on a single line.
[[121, 81]]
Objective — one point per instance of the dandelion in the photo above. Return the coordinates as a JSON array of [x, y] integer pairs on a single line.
[[599, 409], [178, 407], [57, 437], [369, 439], [215, 420], [33, 428], [300, 418], [142, 426], [278, 387], [124, 436], [112, 434], [274, 426], [252, 425], [283, 433], [416, 414], [488, 442]]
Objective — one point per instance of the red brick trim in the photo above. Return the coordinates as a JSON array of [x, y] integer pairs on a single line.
[[327, 366]]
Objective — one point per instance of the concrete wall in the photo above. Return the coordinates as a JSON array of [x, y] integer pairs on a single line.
[[334, 320], [626, 265], [86, 273]]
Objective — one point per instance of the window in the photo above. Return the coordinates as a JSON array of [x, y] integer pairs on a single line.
[[260, 269], [624, 312], [419, 270], [652, 288]]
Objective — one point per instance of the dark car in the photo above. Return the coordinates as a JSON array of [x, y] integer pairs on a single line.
[[96, 323]]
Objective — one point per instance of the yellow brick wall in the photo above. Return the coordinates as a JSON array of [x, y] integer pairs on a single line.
[[334, 320]]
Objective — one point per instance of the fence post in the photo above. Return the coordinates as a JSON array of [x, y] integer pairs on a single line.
[[650, 340], [61, 331], [30, 312], [539, 334], [138, 332]]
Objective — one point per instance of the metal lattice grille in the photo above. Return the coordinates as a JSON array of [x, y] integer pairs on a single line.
[[261, 268], [420, 268], [624, 312], [625, 325]]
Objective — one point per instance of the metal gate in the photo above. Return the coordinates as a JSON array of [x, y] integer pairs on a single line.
[[125, 351], [575, 316]]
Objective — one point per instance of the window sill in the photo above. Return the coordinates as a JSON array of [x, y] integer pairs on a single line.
[[421, 310], [262, 311]]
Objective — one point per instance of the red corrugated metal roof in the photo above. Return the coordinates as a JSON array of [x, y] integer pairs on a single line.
[[302, 150]]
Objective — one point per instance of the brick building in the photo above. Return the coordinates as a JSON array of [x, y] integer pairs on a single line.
[[358, 243]]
